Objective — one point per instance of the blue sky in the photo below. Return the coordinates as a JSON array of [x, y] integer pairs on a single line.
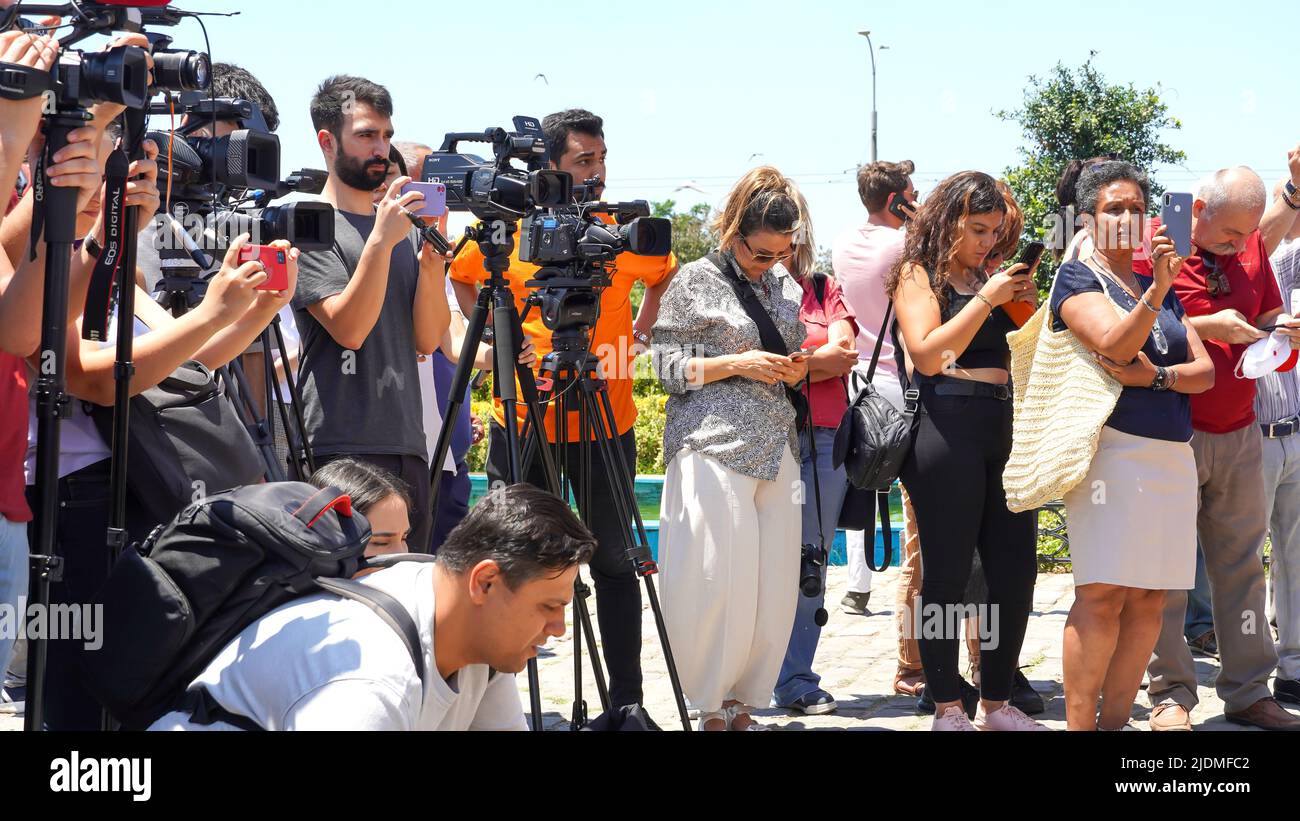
[[691, 90]]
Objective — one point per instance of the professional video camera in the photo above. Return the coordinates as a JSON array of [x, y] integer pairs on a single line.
[[494, 189], [576, 250], [228, 181]]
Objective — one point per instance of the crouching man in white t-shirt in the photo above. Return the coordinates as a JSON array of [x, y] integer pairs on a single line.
[[495, 595]]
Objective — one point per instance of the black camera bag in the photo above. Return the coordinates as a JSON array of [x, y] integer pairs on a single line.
[[186, 441], [171, 604]]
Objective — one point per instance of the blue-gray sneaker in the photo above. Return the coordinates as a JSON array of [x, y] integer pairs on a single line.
[[816, 703]]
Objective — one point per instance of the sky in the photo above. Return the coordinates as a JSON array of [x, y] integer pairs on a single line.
[[695, 93]]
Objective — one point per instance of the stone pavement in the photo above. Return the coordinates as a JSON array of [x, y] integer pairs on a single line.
[[856, 661]]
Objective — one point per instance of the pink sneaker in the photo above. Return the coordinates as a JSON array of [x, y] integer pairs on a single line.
[[953, 720], [1007, 719]]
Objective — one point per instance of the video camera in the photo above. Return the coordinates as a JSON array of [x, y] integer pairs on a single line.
[[495, 189], [228, 181], [576, 250], [119, 75]]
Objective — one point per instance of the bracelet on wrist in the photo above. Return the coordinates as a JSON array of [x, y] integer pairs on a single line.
[[985, 300], [1146, 303]]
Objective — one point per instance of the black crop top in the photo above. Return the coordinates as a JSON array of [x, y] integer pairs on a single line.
[[989, 347]]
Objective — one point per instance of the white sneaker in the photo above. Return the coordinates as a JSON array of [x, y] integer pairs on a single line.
[[1007, 719], [953, 720]]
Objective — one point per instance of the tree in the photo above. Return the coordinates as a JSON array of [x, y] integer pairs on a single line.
[[1076, 114], [692, 236]]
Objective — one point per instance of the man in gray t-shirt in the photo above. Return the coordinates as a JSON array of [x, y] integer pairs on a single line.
[[367, 308]]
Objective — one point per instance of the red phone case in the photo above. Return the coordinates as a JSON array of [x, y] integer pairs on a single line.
[[275, 261]]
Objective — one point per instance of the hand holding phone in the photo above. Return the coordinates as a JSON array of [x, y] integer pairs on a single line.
[[275, 261], [1176, 217], [434, 204], [801, 355], [900, 207]]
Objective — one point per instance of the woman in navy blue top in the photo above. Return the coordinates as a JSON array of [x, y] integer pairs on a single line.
[[1132, 520]]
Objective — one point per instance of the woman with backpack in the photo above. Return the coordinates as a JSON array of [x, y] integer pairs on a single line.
[[231, 315], [832, 332]]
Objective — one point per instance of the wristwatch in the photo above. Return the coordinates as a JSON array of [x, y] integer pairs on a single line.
[[92, 246], [641, 336], [1161, 382], [1290, 197]]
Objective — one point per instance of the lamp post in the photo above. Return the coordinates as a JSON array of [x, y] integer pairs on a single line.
[[872, 51]]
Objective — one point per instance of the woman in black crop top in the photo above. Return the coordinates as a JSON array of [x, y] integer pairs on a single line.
[[955, 335]]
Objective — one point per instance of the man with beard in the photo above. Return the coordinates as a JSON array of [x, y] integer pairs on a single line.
[[368, 307]]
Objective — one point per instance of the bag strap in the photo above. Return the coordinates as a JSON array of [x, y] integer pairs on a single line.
[[886, 530], [387, 608], [320, 503], [768, 334]]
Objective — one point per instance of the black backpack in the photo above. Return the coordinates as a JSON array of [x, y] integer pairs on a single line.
[[185, 437], [171, 604]]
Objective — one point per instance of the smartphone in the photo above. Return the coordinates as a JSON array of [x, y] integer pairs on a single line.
[[1030, 254], [435, 198], [900, 207], [275, 261], [799, 356], [1176, 216]]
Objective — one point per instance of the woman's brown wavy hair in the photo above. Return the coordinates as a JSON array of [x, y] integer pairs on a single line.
[[936, 232]]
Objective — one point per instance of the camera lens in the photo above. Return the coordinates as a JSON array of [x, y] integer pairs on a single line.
[[181, 71], [119, 75]]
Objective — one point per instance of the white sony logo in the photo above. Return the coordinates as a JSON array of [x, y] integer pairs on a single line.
[[128, 775]]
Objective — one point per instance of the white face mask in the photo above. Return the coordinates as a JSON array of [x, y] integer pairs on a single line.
[[1270, 354]]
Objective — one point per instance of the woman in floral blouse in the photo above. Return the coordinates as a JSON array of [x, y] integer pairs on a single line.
[[729, 530]]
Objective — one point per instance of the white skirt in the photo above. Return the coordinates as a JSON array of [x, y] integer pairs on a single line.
[[1131, 522]]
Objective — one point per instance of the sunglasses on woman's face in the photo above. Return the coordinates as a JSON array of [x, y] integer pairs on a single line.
[[766, 257]]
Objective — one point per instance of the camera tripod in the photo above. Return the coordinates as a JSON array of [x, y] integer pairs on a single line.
[[569, 368], [507, 326], [181, 289]]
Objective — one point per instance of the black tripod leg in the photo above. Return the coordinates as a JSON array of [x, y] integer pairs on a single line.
[[645, 567], [459, 386], [505, 354], [580, 601], [580, 591], [298, 444], [234, 374]]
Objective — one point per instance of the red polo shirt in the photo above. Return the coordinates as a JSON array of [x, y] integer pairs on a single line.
[[1230, 405]]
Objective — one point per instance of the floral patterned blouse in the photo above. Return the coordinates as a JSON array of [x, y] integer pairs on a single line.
[[742, 423]]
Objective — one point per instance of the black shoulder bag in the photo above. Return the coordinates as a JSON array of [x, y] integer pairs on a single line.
[[871, 443]]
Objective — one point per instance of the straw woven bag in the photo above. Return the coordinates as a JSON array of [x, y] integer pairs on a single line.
[[1063, 398]]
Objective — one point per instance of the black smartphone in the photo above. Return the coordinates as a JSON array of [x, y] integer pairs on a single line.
[[1030, 254], [898, 206]]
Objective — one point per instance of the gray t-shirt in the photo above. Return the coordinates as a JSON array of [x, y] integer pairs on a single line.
[[368, 400]]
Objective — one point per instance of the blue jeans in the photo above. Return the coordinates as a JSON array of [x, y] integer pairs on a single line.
[[13, 579], [1200, 617], [797, 678]]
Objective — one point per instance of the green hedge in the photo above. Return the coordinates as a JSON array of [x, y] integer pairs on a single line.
[[649, 397]]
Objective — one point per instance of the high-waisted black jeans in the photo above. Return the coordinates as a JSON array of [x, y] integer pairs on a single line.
[[954, 476]]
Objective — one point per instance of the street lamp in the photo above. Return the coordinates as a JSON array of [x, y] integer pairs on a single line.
[[872, 51]]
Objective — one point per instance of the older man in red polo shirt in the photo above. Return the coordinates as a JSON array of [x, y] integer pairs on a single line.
[[1229, 291]]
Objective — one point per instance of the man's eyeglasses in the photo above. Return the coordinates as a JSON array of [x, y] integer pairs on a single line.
[[765, 257]]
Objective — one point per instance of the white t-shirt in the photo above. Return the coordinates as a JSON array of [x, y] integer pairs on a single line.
[[325, 663]]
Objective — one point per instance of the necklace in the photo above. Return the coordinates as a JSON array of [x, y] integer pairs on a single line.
[[1157, 333]]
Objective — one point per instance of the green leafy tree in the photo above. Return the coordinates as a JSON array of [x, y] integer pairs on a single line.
[[1076, 114]]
